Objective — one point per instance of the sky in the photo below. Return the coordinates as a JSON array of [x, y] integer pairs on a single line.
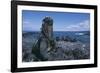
[[62, 21]]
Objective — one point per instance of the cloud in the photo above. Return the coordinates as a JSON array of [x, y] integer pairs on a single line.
[[82, 26], [30, 26], [26, 22]]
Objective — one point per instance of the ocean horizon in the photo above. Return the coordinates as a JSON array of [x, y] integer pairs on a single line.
[[83, 36]]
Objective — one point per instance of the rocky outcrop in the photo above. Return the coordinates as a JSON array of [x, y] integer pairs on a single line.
[[68, 51]]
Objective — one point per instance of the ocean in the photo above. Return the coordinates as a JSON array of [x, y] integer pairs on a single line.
[[82, 36]]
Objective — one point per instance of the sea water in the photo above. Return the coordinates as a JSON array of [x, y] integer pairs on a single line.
[[82, 36]]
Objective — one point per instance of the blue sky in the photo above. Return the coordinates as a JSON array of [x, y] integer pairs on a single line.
[[63, 21]]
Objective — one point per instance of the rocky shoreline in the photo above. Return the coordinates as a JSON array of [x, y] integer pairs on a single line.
[[68, 51], [64, 50]]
